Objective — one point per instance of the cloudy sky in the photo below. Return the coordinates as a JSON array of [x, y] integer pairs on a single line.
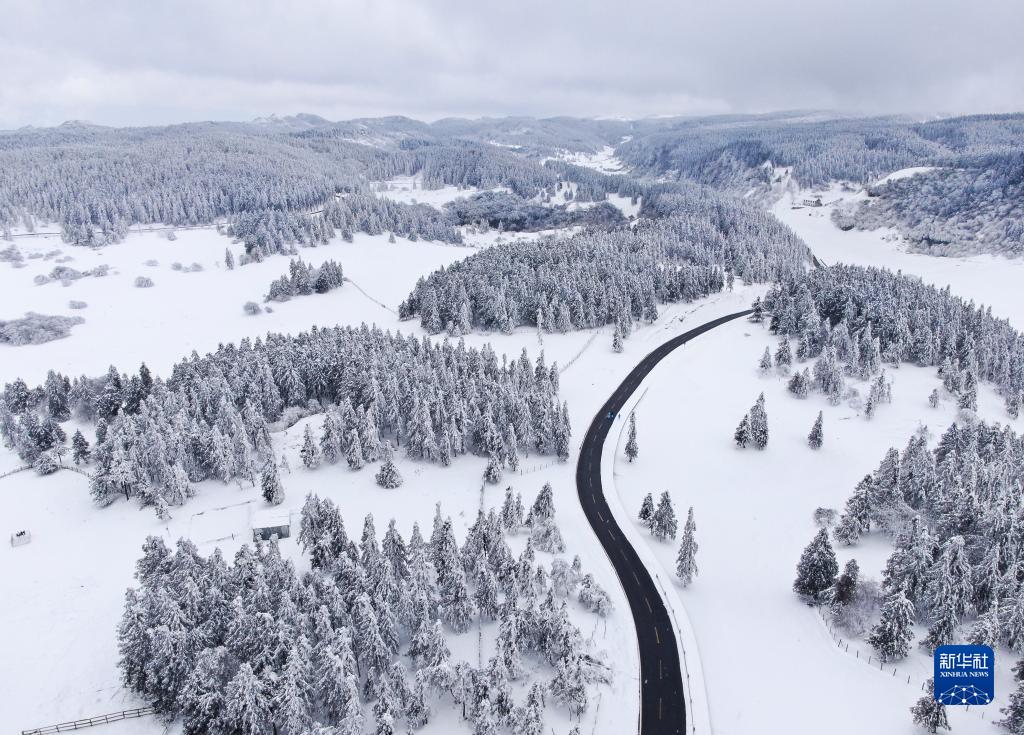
[[129, 62]]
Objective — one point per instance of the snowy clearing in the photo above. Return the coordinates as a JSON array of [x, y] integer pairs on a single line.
[[987, 279]]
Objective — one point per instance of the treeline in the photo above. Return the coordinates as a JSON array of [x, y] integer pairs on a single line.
[[910, 321], [211, 419], [362, 638], [268, 232], [304, 279], [740, 154], [96, 182], [976, 207], [594, 278], [509, 212]]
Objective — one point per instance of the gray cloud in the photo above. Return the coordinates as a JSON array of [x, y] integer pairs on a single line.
[[130, 62]]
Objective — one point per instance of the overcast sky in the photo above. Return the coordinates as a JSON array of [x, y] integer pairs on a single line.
[[152, 61]]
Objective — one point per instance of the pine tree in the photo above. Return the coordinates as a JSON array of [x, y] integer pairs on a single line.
[[686, 560], [783, 356], [765, 364], [664, 524], [928, 712], [933, 398], [817, 568], [759, 424], [354, 453], [816, 437], [248, 703], [569, 685], [617, 338], [892, 636], [492, 473], [80, 448], [632, 449], [742, 435], [512, 511], [310, 452], [388, 476], [229, 259], [646, 515], [273, 491]]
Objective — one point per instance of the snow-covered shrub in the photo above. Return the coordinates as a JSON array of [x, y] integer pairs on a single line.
[[46, 464], [546, 536], [251, 308], [73, 304], [858, 614], [172, 235], [176, 266], [40, 280], [37, 328], [593, 596], [195, 268], [143, 282], [825, 517], [152, 263]]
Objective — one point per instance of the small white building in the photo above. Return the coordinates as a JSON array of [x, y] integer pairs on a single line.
[[271, 523], [20, 538]]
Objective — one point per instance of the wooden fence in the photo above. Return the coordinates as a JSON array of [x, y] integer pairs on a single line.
[[128, 714]]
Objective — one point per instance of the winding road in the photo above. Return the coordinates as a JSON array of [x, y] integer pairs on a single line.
[[662, 695]]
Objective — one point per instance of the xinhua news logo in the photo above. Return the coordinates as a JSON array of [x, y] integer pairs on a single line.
[[964, 675]]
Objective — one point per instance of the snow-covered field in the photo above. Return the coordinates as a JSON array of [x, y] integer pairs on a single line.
[[769, 662], [987, 279], [409, 190], [186, 311]]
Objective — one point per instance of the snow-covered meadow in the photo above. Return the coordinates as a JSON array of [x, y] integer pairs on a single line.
[[768, 659]]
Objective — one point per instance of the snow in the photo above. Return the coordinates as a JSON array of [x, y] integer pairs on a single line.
[[603, 160], [409, 190], [753, 512], [987, 279], [904, 173]]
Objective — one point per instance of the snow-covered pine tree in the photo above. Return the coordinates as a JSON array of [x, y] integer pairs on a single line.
[[893, 634], [632, 448], [492, 473], [354, 453], [664, 524], [310, 452], [933, 398], [817, 568], [646, 515], [929, 713], [388, 476], [80, 448], [765, 364], [270, 484], [816, 437], [759, 424], [800, 384], [783, 356], [742, 435], [686, 559], [512, 511]]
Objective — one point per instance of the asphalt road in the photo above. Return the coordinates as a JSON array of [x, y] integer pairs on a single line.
[[662, 699]]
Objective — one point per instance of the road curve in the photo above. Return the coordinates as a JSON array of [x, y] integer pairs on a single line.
[[662, 696]]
